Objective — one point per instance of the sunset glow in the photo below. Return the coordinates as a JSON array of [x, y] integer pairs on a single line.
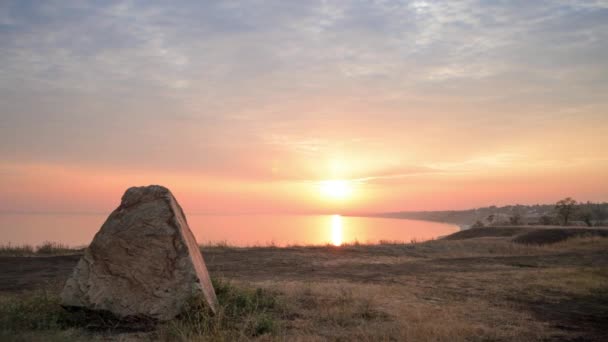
[[338, 107], [410, 158], [336, 189], [336, 230]]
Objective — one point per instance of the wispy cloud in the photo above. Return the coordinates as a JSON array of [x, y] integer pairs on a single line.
[[244, 85]]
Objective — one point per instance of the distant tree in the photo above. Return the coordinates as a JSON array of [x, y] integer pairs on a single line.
[[599, 212], [546, 220], [515, 220], [565, 209], [490, 218], [478, 224], [585, 213], [586, 216]]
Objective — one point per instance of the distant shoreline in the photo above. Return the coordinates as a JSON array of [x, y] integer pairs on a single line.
[[461, 226]]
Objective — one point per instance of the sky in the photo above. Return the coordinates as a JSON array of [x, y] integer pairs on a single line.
[[256, 106]]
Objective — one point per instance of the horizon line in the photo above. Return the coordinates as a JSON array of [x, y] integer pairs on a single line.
[[346, 213]]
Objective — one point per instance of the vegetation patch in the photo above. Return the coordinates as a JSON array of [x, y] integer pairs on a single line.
[[487, 232], [242, 313], [42, 311], [553, 235], [33, 311], [44, 249]]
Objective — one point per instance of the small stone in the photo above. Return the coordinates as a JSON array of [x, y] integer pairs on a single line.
[[143, 262]]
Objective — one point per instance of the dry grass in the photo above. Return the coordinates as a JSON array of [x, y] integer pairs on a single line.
[[477, 289], [16, 250], [46, 248], [367, 312], [474, 289]]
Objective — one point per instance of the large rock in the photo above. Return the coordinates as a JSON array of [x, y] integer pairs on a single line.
[[143, 262]]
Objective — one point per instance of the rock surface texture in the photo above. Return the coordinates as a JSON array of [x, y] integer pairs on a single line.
[[144, 261]]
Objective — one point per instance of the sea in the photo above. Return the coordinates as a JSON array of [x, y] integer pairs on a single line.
[[235, 230]]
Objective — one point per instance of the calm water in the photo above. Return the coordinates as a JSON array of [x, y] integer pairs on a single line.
[[240, 230]]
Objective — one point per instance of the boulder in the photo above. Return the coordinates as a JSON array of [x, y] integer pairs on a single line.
[[143, 262]]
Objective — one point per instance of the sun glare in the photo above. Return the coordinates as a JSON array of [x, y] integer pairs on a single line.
[[336, 189], [336, 230]]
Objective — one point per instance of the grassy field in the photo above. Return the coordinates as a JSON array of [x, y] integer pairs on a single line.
[[484, 285]]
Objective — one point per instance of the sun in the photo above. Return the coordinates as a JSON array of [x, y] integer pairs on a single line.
[[336, 189]]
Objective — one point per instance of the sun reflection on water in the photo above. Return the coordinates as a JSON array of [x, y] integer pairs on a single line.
[[336, 230]]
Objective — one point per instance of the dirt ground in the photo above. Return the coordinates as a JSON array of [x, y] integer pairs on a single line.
[[487, 288]]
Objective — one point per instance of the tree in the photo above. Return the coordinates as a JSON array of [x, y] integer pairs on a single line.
[[599, 212], [565, 209], [585, 213], [546, 220], [490, 218], [515, 220], [586, 216]]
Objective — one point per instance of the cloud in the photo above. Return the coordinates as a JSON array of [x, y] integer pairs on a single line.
[[236, 87]]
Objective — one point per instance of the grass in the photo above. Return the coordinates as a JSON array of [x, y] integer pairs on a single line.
[[553, 235], [46, 248], [272, 244], [17, 250], [243, 313], [488, 232], [486, 288], [38, 310], [38, 316]]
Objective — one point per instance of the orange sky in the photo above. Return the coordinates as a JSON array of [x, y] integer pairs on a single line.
[[485, 180], [414, 106]]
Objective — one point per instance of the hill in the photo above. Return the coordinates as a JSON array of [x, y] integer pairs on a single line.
[[584, 214]]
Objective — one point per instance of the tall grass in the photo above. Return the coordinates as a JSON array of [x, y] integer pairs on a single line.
[[46, 248], [54, 248], [17, 250]]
